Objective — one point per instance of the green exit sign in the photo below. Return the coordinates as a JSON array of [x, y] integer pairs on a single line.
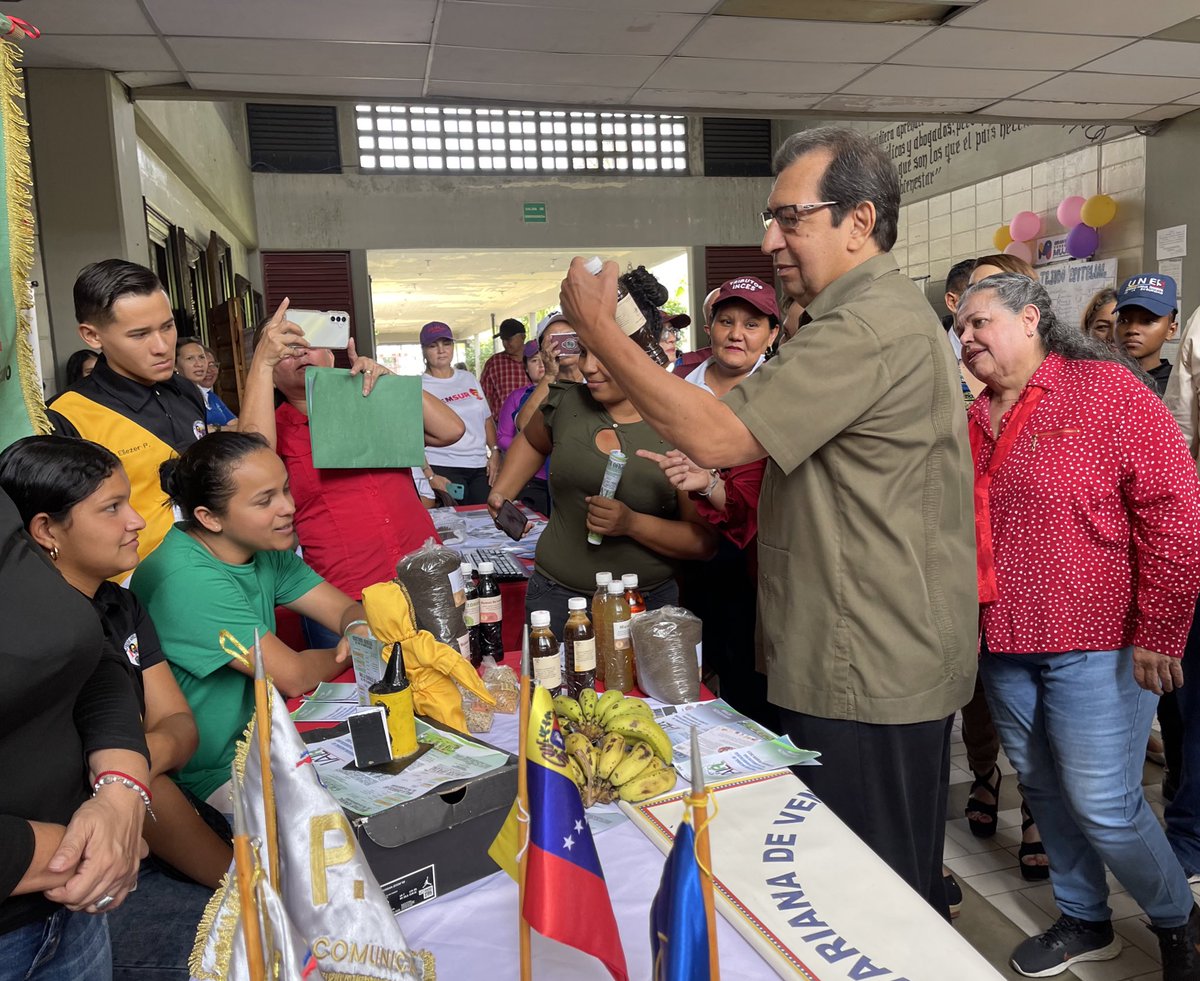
[[535, 213]]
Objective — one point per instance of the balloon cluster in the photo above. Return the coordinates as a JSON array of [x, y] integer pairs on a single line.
[[1080, 216]]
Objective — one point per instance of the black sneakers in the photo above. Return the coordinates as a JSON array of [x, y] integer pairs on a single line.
[[1068, 942], [1178, 945]]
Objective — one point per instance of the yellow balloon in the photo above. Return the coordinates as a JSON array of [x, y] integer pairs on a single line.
[[1002, 238], [1098, 211]]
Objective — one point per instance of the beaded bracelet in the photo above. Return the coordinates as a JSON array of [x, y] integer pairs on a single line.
[[125, 780]]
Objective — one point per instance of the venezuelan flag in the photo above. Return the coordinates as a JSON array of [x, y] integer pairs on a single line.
[[566, 898], [678, 928]]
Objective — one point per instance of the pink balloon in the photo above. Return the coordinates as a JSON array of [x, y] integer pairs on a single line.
[[1020, 250], [1068, 210], [1082, 241], [1024, 226]]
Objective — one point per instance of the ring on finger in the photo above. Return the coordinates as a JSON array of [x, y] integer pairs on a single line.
[[104, 903]]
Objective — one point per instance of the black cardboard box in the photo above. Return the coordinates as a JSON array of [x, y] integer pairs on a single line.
[[437, 843]]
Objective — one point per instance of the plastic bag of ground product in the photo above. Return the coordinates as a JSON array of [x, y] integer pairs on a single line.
[[502, 682], [431, 576], [667, 646]]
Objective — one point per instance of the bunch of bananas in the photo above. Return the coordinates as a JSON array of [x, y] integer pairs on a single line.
[[615, 748]]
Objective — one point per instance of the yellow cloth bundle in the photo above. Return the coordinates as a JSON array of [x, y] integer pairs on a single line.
[[432, 667]]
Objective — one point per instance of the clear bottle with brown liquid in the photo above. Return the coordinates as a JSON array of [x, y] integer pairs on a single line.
[[618, 666], [579, 642], [633, 595], [600, 622], [630, 318], [543, 652]]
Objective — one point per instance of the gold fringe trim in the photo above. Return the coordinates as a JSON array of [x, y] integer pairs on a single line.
[[19, 197], [224, 937]]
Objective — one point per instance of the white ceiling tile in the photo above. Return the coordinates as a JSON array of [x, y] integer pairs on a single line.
[[905, 80], [956, 47], [362, 20], [139, 80], [612, 6], [1152, 58], [139, 53], [693, 100], [539, 68], [1097, 87], [84, 16], [752, 76], [1190, 100], [894, 104], [382, 88], [530, 28], [1063, 110], [585, 95], [795, 40], [276, 57], [1114, 18], [1159, 113]]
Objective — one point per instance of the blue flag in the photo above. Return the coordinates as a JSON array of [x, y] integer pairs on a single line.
[[678, 928]]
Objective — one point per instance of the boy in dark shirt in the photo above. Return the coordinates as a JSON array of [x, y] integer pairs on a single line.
[[133, 402], [1147, 317]]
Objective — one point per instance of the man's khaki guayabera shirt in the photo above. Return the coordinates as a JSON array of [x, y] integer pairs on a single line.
[[867, 598]]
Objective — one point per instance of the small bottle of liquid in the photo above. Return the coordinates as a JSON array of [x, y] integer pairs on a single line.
[[630, 318], [491, 640], [543, 652], [394, 693], [618, 669], [633, 595], [600, 622], [580, 642], [471, 610]]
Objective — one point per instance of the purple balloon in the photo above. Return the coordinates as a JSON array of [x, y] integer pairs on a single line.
[[1082, 241]]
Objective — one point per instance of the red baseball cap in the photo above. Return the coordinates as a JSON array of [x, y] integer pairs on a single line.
[[750, 290]]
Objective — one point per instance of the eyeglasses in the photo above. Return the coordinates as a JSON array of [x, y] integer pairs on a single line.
[[789, 215]]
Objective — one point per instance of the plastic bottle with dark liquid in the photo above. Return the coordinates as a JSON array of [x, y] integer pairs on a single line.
[[579, 641], [471, 610], [543, 653], [630, 318], [491, 634]]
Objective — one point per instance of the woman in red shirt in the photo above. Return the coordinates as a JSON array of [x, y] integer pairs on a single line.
[[1088, 526]]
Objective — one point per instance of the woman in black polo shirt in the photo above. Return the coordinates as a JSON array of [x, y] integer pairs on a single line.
[[73, 498]]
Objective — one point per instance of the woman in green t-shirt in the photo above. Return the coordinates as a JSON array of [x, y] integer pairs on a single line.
[[217, 578], [648, 528]]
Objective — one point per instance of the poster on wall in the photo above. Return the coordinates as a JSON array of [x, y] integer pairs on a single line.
[[1072, 284]]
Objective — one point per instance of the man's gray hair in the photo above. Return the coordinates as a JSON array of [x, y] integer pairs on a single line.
[[859, 171], [1015, 292]]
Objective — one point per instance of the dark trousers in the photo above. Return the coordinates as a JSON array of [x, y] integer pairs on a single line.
[[474, 479], [979, 733], [536, 495], [1183, 812], [888, 784]]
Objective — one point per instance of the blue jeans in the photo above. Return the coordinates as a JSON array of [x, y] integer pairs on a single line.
[[1074, 726], [318, 637], [64, 947], [1183, 812], [154, 929]]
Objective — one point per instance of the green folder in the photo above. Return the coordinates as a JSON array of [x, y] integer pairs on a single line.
[[385, 429]]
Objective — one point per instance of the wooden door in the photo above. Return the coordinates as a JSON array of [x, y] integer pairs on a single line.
[[227, 337]]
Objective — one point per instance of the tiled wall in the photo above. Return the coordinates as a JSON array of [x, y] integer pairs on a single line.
[[938, 232]]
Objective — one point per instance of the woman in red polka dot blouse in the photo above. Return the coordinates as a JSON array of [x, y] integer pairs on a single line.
[[1088, 526]]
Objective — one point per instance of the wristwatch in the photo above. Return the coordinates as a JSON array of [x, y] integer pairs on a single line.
[[712, 484]]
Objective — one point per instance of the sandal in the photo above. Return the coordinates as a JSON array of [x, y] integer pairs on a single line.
[[1031, 849], [979, 827]]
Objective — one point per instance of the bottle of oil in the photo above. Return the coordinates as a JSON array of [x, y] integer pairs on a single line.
[[491, 637], [633, 595], [471, 610], [579, 639], [618, 668], [543, 652], [600, 622], [630, 317]]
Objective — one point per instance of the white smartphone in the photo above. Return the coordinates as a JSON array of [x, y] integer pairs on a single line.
[[323, 328]]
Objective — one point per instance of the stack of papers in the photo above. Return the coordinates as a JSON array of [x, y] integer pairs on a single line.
[[730, 743], [329, 703]]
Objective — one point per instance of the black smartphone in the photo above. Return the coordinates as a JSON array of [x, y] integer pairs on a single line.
[[511, 520]]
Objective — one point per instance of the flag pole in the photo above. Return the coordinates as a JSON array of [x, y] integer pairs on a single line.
[[523, 807], [244, 864], [262, 709], [698, 801]]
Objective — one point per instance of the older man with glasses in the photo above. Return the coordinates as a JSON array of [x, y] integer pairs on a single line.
[[867, 602]]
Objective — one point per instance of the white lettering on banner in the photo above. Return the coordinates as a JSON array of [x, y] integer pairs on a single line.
[[789, 895]]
